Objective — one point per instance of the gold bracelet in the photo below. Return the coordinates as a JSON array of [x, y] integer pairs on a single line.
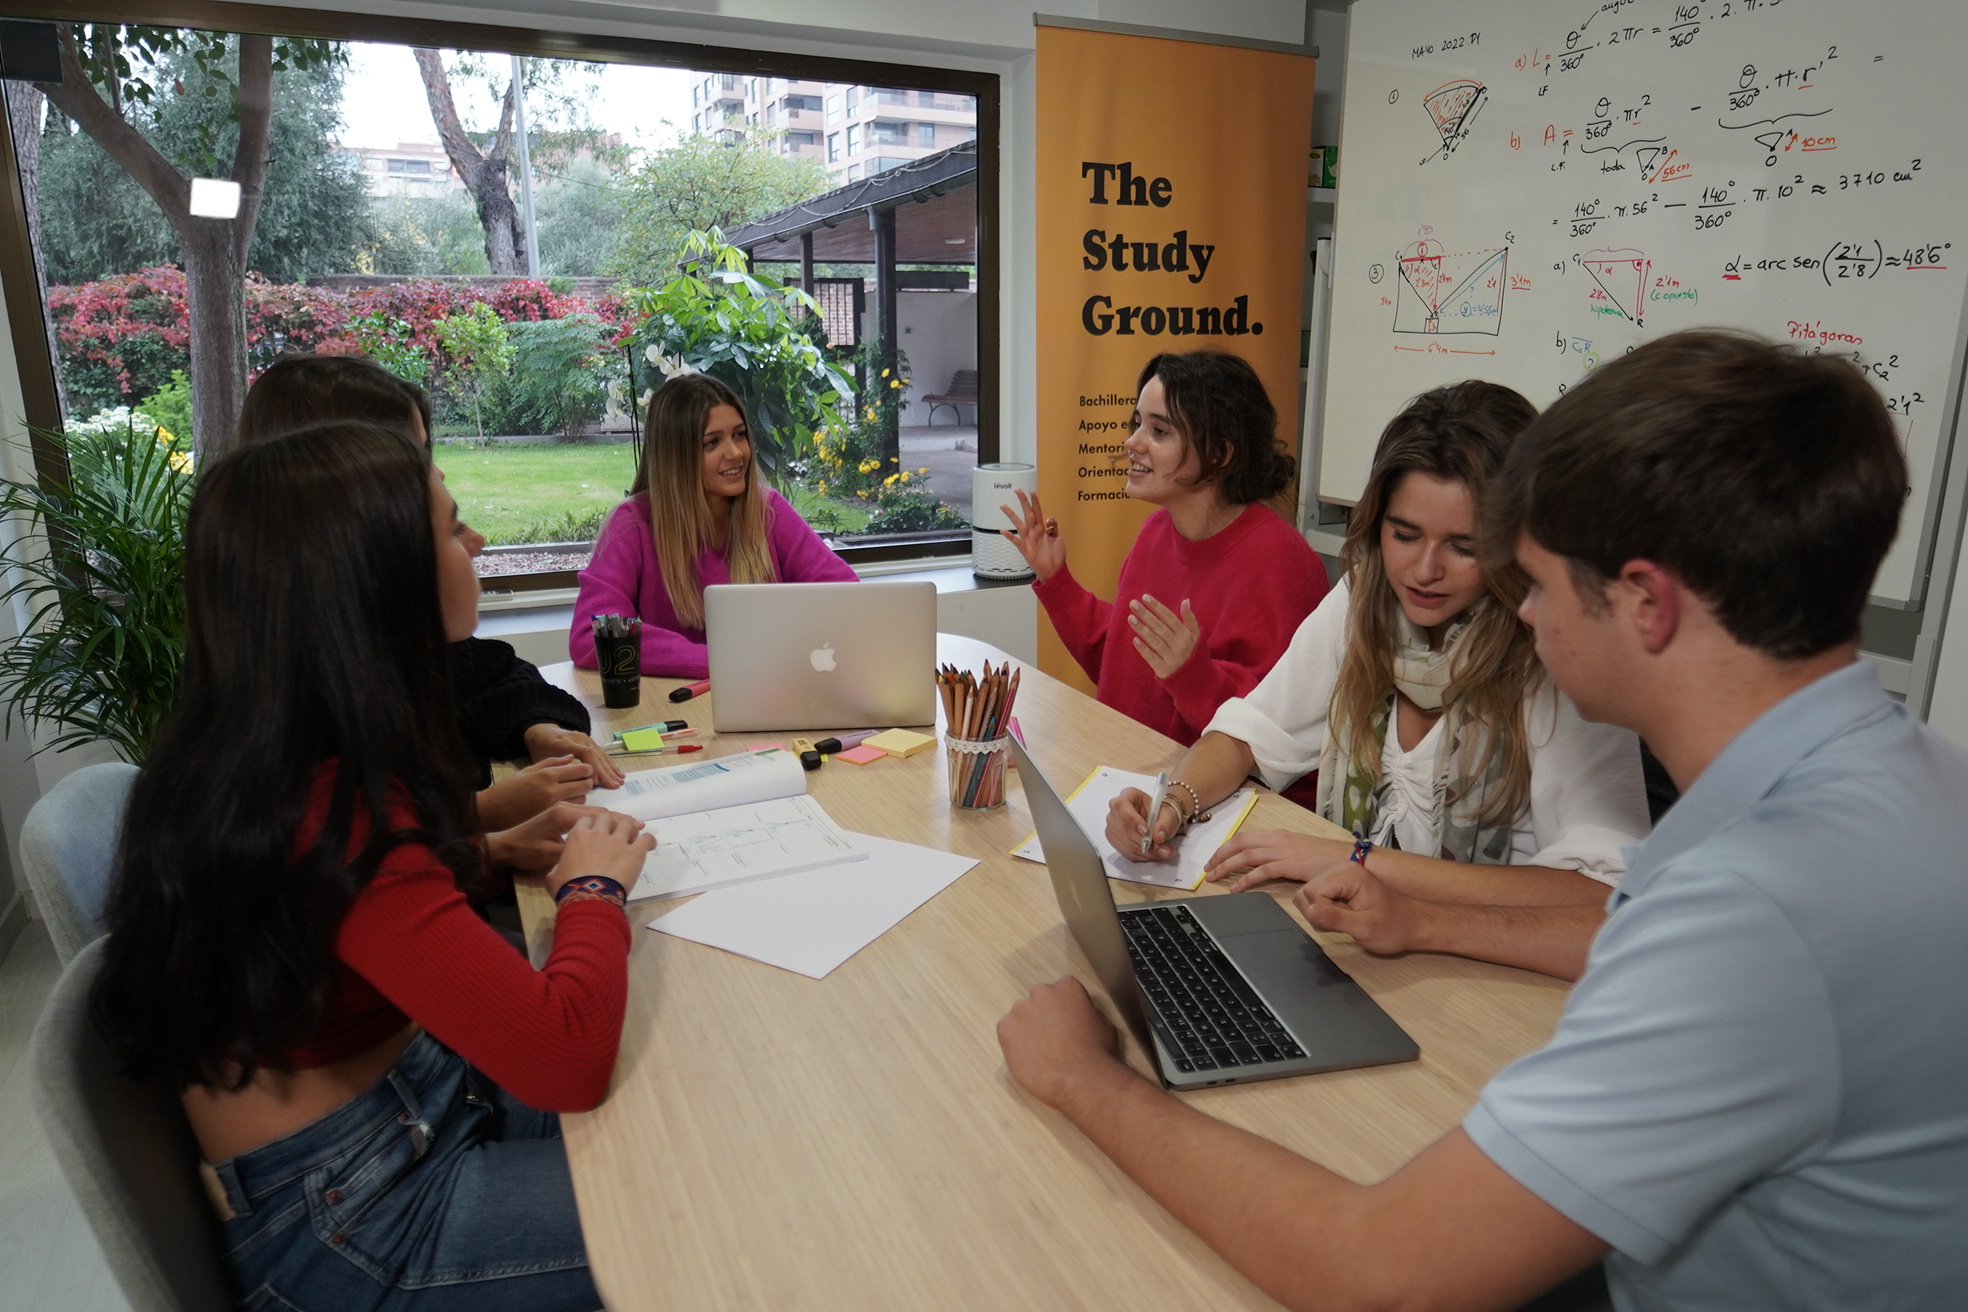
[[1196, 811]]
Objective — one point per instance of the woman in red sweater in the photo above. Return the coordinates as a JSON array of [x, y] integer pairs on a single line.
[[370, 1070], [1216, 583]]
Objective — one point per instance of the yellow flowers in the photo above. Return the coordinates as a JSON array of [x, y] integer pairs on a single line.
[[821, 487], [894, 382], [884, 373], [180, 461], [924, 471], [869, 466]]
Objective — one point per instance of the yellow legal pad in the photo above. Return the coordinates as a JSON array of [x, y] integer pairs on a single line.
[[901, 742]]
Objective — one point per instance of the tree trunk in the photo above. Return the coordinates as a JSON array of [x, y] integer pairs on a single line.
[[485, 173], [215, 300], [24, 117], [214, 250]]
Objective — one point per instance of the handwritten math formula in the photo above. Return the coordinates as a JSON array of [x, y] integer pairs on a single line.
[[1535, 187]]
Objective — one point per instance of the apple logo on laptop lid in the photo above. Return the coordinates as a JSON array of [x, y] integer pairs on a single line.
[[822, 658]]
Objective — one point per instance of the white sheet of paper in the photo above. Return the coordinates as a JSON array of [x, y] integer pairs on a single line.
[[737, 844], [810, 923], [700, 785], [1088, 805]]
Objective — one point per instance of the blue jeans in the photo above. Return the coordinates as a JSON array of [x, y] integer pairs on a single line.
[[434, 1190]]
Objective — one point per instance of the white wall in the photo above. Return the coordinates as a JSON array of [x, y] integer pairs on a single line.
[[939, 335], [23, 776]]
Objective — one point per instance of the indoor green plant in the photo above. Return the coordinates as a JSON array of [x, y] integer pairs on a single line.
[[100, 571]]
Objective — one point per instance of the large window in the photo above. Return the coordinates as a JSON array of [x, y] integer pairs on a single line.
[[537, 316]]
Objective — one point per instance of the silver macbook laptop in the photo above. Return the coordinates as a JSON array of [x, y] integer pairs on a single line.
[[821, 655], [1221, 989]]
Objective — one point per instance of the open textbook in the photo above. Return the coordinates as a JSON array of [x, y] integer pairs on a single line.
[[727, 821], [1088, 806]]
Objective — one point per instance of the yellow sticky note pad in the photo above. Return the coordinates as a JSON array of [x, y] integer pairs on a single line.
[[901, 742], [642, 740]]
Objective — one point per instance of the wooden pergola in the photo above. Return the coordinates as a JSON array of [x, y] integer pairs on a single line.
[[920, 212]]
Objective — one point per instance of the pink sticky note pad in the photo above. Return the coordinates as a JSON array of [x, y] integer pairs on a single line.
[[863, 755]]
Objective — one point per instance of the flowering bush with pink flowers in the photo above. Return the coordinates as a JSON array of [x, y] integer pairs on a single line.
[[120, 337]]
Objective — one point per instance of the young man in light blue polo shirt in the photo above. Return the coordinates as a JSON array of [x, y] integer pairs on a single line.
[[1758, 1094]]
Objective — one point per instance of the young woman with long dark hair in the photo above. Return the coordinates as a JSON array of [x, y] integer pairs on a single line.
[[698, 514], [1216, 582], [370, 1070], [1416, 693], [505, 709]]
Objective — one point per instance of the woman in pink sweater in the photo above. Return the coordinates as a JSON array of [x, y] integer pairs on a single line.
[[699, 516], [1216, 583]]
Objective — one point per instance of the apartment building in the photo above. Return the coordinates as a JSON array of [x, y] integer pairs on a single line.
[[855, 131], [410, 168]]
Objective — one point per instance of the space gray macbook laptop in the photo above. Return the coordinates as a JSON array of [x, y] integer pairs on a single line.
[[821, 655], [1222, 990]]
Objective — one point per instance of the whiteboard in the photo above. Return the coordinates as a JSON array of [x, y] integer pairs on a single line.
[[1529, 187]]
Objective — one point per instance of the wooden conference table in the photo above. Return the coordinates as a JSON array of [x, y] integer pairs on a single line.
[[774, 1142]]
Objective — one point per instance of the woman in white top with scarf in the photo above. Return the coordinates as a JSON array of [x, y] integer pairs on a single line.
[[1467, 779]]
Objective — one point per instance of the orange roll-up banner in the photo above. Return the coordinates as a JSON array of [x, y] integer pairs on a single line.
[[1171, 217]]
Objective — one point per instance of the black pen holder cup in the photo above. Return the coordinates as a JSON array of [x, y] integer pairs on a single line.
[[620, 663]]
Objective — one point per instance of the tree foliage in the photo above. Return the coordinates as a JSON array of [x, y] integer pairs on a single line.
[[752, 333], [110, 86], [557, 93], [699, 184], [98, 221], [579, 206], [421, 236]]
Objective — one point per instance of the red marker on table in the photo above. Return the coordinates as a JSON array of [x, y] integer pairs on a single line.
[[690, 690]]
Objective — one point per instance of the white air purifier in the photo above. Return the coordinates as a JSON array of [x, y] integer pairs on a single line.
[[991, 486]]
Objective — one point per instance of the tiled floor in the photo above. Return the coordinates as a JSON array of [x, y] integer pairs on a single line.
[[48, 1257]]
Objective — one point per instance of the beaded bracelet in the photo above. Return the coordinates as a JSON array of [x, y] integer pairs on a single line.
[[1196, 811], [592, 888]]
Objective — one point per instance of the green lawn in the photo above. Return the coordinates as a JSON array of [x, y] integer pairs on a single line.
[[544, 493], [518, 493]]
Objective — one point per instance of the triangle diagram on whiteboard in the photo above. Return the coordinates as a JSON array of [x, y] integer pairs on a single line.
[[1450, 294]]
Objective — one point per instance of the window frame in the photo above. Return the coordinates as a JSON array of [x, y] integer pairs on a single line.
[[19, 280]]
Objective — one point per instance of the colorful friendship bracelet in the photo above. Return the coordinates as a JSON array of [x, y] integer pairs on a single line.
[[1360, 849], [592, 888]]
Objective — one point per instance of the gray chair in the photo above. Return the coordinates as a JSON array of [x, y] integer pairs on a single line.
[[68, 848], [128, 1153]]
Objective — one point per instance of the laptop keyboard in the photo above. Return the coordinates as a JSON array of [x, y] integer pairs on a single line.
[[1205, 1013]]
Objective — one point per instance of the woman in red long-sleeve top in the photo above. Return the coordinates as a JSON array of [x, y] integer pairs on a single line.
[[1216, 583], [371, 1072]]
